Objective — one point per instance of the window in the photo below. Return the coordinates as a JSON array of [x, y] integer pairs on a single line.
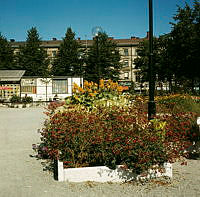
[[28, 86], [126, 52], [126, 75], [28, 89], [59, 86], [125, 63], [54, 53], [138, 77], [8, 90]]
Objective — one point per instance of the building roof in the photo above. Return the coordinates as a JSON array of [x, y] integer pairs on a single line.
[[11, 75], [56, 43]]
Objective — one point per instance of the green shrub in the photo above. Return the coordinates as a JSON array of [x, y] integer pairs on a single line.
[[27, 99], [15, 99], [179, 103]]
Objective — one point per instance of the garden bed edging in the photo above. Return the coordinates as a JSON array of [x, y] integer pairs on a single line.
[[104, 174]]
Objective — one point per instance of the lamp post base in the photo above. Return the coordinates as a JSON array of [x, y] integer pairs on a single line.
[[151, 109]]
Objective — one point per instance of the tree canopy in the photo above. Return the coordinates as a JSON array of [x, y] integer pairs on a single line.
[[32, 57], [6, 54], [103, 60], [142, 61], [176, 54], [69, 59], [185, 43]]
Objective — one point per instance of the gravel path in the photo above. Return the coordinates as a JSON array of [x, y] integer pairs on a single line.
[[23, 176]]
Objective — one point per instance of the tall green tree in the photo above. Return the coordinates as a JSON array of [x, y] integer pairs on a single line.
[[6, 54], [32, 57], [69, 59], [176, 55], [103, 60], [142, 61], [185, 45]]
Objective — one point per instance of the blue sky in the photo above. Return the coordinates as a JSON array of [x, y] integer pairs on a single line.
[[118, 18]]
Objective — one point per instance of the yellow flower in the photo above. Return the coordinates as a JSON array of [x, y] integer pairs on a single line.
[[101, 81], [92, 94], [101, 86], [76, 97], [75, 85], [81, 90], [85, 83], [119, 88], [89, 90]]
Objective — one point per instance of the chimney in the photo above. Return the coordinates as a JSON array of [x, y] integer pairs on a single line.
[[79, 38], [133, 37], [12, 40], [54, 39]]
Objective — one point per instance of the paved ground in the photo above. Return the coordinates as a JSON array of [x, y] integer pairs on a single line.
[[23, 176]]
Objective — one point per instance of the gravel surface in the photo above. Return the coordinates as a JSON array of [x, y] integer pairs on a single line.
[[22, 175]]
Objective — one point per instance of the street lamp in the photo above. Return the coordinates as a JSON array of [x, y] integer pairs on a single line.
[[151, 103], [95, 32]]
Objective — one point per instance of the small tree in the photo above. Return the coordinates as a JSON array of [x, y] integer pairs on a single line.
[[6, 54], [32, 57], [103, 59], [68, 60]]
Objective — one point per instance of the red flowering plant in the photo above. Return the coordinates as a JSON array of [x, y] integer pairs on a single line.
[[113, 135], [97, 126]]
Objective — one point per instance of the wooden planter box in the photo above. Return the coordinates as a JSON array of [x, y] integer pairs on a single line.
[[104, 174]]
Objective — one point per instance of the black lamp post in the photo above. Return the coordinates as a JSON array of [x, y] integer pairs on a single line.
[[95, 33], [151, 103]]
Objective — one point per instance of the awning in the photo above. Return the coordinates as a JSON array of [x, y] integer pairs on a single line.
[[11, 75]]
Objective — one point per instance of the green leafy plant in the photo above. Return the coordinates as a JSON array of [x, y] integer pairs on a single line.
[[27, 99], [15, 99], [179, 103]]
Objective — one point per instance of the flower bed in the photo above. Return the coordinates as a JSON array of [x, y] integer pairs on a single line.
[[86, 132]]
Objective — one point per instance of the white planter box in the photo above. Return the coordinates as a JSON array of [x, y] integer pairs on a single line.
[[104, 174]]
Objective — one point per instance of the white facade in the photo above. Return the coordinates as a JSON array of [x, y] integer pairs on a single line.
[[45, 89]]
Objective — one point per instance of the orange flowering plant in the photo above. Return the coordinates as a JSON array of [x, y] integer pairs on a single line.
[[106, 92]]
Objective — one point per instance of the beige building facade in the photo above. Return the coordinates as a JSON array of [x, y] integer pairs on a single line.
[[126, 47]]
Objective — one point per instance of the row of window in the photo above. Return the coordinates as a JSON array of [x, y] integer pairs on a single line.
[[58, 87], [7, 90], [125, 52]]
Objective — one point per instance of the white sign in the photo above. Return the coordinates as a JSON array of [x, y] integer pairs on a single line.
[[28, 82]]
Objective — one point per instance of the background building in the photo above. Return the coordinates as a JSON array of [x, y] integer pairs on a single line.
[[127, 48]]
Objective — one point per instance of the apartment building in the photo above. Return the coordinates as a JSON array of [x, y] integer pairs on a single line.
[[127, 48]]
